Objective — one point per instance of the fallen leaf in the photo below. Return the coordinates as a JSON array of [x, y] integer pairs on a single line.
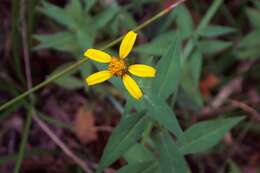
[[84, 126], [208, 83]]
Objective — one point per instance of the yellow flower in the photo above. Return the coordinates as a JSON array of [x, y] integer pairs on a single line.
[[118, 67]]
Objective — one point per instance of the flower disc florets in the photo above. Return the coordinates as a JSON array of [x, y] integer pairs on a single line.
[[117, 66]]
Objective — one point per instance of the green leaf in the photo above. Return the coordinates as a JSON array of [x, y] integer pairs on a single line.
[[74, 9], [184, 21], [204, 135], [125, 135], [202, 25], [254, 17], [195, 64], [85, 39], [159, 45], [58, 14], [103, 18], [213, 46], [62, 41], [247, 53], [216, 31], [208, 16], [126, 19], [167, 21], [168, 74], [248, 46], [63, 67], [190, 76], [170, 158], [85, 70], [251, 39], [142, 167], [161, 112], [138, 153], [123, 21], [89, 4], [69, 82]]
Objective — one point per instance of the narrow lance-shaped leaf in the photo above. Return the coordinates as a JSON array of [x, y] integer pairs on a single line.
[[201, 136], [213, 46], [184, 21], [104, 17], [62, 41], [161, 112], [168, 75], [196, 66], [126, 134], [138, 153], [89, 4], [250, 40], [159, 45], [254, 17], [190, 79], [58, 14], [69, 82], [74, 9], [171, 160], [216, 31]]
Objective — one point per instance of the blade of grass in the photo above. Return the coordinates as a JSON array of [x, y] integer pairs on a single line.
[[15, 40], [23, 142], [81, 61], [31, 19]]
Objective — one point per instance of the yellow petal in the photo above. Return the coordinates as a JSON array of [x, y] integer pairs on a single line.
[[127, 44], [98, 77], [142, 70], [132, 87], [98, 55]]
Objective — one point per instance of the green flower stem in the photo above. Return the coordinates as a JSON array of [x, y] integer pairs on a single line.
[[81, 61]]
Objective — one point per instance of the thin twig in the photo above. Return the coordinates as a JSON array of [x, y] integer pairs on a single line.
[[59, 143], [227, 90], [251, 111]]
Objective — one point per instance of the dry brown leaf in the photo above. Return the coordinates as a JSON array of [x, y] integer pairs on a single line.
[[208, 83], [84, 126]]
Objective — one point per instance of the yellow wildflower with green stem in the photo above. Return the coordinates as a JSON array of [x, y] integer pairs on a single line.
[[118, 67]]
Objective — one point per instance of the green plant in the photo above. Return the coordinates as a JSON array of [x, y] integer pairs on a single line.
[[153, 129], [247, 47]]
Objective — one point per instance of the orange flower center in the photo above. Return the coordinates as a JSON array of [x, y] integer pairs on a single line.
[[117, 67]]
